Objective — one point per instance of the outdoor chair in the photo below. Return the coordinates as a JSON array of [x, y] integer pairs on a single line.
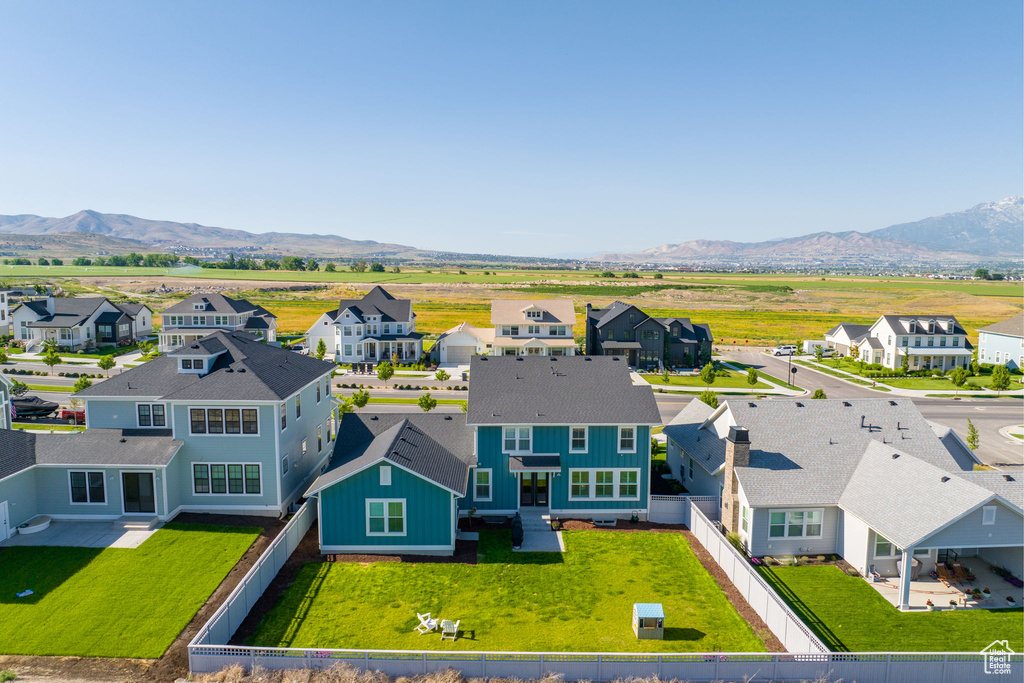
[[944, 575], [426, 623], [450, 629], [961, 574]]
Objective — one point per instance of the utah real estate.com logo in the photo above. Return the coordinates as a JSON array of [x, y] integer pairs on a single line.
[[997, 657]]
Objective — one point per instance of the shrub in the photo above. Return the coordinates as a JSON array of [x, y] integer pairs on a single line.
[[734, 538], [7, 675]]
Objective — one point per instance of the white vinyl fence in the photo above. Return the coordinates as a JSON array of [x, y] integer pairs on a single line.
[[229, 616], [676, 509]]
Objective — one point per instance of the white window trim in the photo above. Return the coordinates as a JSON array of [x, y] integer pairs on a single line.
[[138, 422], [385, 501], [285, 465], [529, 431], [616, 482], [490, 485], [895, 551], [106, 496], [618, 442], [586, 439], [984, 514], [227, 484], [385, 475], [787, 512]]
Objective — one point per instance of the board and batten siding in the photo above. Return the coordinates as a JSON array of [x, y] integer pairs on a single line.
[[761, 544], [430, 526], [504, 484], [19, 490], [969, 532]]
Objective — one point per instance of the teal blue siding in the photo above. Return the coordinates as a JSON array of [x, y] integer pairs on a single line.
[[428, 512], [19, 490], [602, 452]]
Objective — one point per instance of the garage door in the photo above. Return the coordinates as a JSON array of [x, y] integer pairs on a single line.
[[460, 354]]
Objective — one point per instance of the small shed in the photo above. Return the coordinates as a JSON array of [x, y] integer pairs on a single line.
[[648, 620]]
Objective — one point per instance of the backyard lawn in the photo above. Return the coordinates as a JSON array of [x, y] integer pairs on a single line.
[[577, 601], [850, 616], [724, 380], [113, 602]]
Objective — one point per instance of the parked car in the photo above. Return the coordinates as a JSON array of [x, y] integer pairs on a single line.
[[784, 350], [299, 348], [73, 417], [32, 407]]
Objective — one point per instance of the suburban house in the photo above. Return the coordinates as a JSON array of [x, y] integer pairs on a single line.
[[227, 425], [5, 312], [622, 329], [1002, 343], [375, 328], [187, 321], [930, 342], [459, 344], [528, 444], [80, 323], [533, 327], [868, 479]]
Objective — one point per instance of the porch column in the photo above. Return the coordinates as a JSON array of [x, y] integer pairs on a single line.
[[907, 558]]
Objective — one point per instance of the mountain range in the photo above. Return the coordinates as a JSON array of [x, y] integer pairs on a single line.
[[992, 230]]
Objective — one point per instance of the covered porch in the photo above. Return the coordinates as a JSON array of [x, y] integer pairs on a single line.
[[951, 594], [404, 349], [934, 357]]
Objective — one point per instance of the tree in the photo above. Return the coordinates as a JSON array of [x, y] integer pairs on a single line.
[[3, 355], [330, 268], [752, 376], [51, 357], [819, 393], [360, 398], [358, 266], [106, 363], [958, 376], [427, 402], [973, 438], [982, 274], [1000, 379], [81, 384], [385, 371], [819, 352], [607, 273], [81, 261], [43, 262], [441, 375], [376, 267], [709, 397], [321, 349], [293, 263], [135, 260], [906, 360], [975, 365], [312, 265], [146, 347], [396, 269], [18, 388], [658, 276], [271, 264], [708, 374], [855, 351], [56, 262]]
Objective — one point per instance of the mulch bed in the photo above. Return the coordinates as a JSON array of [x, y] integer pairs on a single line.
[[465, 553], [620, 525]]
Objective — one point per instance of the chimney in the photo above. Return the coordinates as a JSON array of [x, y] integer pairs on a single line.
[[587, 344], [49, 305], [737, 454]]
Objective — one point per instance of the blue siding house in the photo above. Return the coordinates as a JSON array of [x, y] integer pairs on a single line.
[[1002, 343]]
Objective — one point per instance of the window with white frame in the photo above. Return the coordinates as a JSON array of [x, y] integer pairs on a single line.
[[284, 416], [318, 392], [346, 331], [304, 449], [613, 484], [533, 329], [627, 439], [228, 478], [284, 464], [151, 414], [387, 328], [794, 523], [577, 439], [534, 314], [348, 349], [319, 439], [385, 475], [517, 439], [988, 514], [87, 488], [482, 485], [885, 548], [690, 468], [298, 407], [385, 517], [220, 320], [745, 519]]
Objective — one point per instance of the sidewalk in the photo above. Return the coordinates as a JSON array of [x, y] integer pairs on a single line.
[[910, 393]]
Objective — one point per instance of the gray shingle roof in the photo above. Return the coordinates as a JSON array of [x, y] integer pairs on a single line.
[[897, 324], [602, 316], [246, 370], [438, 447], [804, 454], [852, 330], [216, 303], [132, 309], [557, 390], [378, 301], [534, 463], [1012, 327], [553, 311], [100, 447], [925, 498], [1008, 485]]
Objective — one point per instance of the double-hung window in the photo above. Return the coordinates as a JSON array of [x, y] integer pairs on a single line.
[[298, 407], [627, 439], [319, 439], [794, 523], [533, 329], [604, 484], [87, 487], [745, 519], [385, 517], [229, 478], [577, 439], [628, 483], [517, 440], [689, 467], [884, 547], [284, 416], [318, 392], [580, 484], [482, 484], [614, 484], [151, 415]]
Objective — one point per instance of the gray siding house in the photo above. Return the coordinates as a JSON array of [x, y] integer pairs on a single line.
[[188, 321], [647, 343], [1002, 343]]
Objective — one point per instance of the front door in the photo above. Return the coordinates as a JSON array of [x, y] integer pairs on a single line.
[[5, 525], [138, 492], [534, 489]]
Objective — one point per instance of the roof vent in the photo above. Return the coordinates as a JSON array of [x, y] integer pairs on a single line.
[[752, 404], [587, 358], [799, 404], [373, 417], [892, 403], [615, 358], [229, 370], [552, 358], [483, 359], [847, 404], [944, 480], [1007, 477], [124, 440], [447, 417], [194, 346], [519, 358], [241, 369], [895, 455]]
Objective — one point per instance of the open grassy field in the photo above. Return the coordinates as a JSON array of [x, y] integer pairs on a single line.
[[580, 600], [724, 380], [113, 602], [849, 615]]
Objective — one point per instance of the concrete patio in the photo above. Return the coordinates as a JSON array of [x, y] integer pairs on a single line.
[[85, 535], [927, 588]]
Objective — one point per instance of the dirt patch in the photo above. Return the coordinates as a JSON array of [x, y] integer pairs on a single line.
[[620, 525]]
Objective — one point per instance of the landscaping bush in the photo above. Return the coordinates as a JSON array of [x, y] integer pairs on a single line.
[[734, 538]]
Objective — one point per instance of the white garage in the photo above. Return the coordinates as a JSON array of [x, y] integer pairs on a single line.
[[458, 355], [458, 345]]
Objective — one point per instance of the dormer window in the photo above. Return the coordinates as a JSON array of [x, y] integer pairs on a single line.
[[912, 327], [535, 314], [197, 364], [198, 307], [186, 363]]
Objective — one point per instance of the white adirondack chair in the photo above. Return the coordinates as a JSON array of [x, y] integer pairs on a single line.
[[426, 623], [450, 629]]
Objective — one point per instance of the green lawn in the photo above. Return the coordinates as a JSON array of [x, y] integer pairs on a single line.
[[440, 401], [113, 602], [48, 427], [744, 367], [849, 615], [724, 380], [577, 601]]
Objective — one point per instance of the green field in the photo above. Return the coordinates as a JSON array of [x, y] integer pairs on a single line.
[[113, 602], [849, 615], [580, 600], [724, 380]]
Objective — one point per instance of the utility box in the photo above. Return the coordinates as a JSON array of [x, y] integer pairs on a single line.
[[649, 621]]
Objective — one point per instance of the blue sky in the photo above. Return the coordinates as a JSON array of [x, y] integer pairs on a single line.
[[512, 127]]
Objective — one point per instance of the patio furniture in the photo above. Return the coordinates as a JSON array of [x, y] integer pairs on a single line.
[[450, 629], [426, 623], [915, 568], [944, 575], [961, 574]]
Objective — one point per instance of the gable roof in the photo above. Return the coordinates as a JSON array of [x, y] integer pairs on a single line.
[[132, 310], [101, 447], [67, 311], [557, 390], [1011, 327], [245, 370], [851, 330], [216, 303], [898, 323], [378, 301], [512, 311], [485, 334], [437, 447], [603, 316], [926, 499]]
